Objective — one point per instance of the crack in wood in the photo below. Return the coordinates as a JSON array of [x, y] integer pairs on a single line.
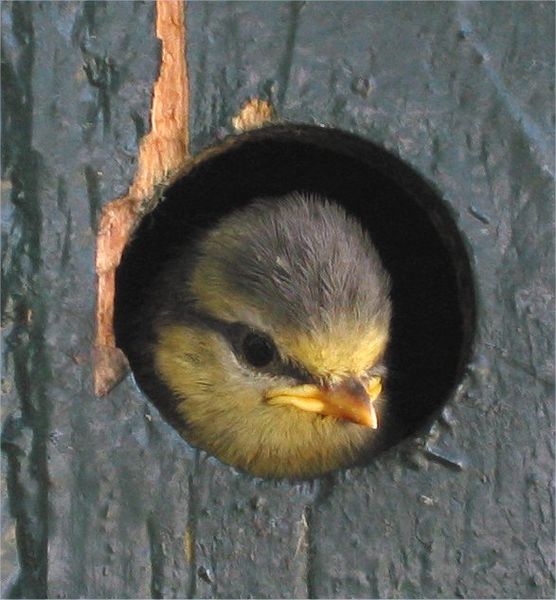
[[163, 151]]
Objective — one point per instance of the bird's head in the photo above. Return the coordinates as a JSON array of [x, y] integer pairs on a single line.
[[274, 335]]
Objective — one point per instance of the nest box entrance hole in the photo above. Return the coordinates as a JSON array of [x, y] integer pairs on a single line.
[[410, 225]]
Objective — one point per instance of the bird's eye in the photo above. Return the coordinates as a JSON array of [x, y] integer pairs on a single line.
[[258, 350]]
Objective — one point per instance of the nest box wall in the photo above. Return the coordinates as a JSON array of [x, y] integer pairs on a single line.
[[101, 497]]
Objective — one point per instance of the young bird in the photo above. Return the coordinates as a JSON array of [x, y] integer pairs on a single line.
[[269, 336]]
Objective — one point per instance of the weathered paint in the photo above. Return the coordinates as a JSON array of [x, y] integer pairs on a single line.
[[105, 498]]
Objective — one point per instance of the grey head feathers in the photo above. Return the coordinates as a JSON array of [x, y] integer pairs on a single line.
[[302, 260]]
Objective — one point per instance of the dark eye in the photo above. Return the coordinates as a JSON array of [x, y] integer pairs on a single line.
[[258, 350]]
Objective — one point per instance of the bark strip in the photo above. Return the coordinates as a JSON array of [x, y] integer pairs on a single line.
[[163, 151]]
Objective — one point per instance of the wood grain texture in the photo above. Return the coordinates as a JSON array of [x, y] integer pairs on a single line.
[[457, 513], [106, 500], [161, 152]]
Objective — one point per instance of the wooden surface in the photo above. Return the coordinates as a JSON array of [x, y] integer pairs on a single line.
[[161, 152], [101, 497]]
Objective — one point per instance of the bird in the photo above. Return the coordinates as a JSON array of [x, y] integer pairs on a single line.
[[267, 337]]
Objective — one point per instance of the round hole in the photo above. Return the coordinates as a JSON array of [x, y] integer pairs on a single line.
[[432, 294]]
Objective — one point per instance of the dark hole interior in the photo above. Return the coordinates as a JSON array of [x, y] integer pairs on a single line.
[[432, 293]]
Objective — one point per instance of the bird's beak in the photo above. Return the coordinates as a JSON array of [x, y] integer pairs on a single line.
[[351, 400]]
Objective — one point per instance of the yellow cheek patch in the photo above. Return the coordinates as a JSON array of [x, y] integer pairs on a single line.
[[227, 416], [177, 366]]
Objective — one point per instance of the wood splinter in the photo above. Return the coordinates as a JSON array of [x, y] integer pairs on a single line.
[[164, 150]]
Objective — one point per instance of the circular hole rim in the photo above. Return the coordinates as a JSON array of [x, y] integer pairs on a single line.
[[422, 191]]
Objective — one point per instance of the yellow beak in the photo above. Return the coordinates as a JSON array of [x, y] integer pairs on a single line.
[[351, 400]]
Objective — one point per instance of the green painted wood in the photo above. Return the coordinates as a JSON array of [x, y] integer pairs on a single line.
[[464, 93], [101, 496], [81, 480]]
